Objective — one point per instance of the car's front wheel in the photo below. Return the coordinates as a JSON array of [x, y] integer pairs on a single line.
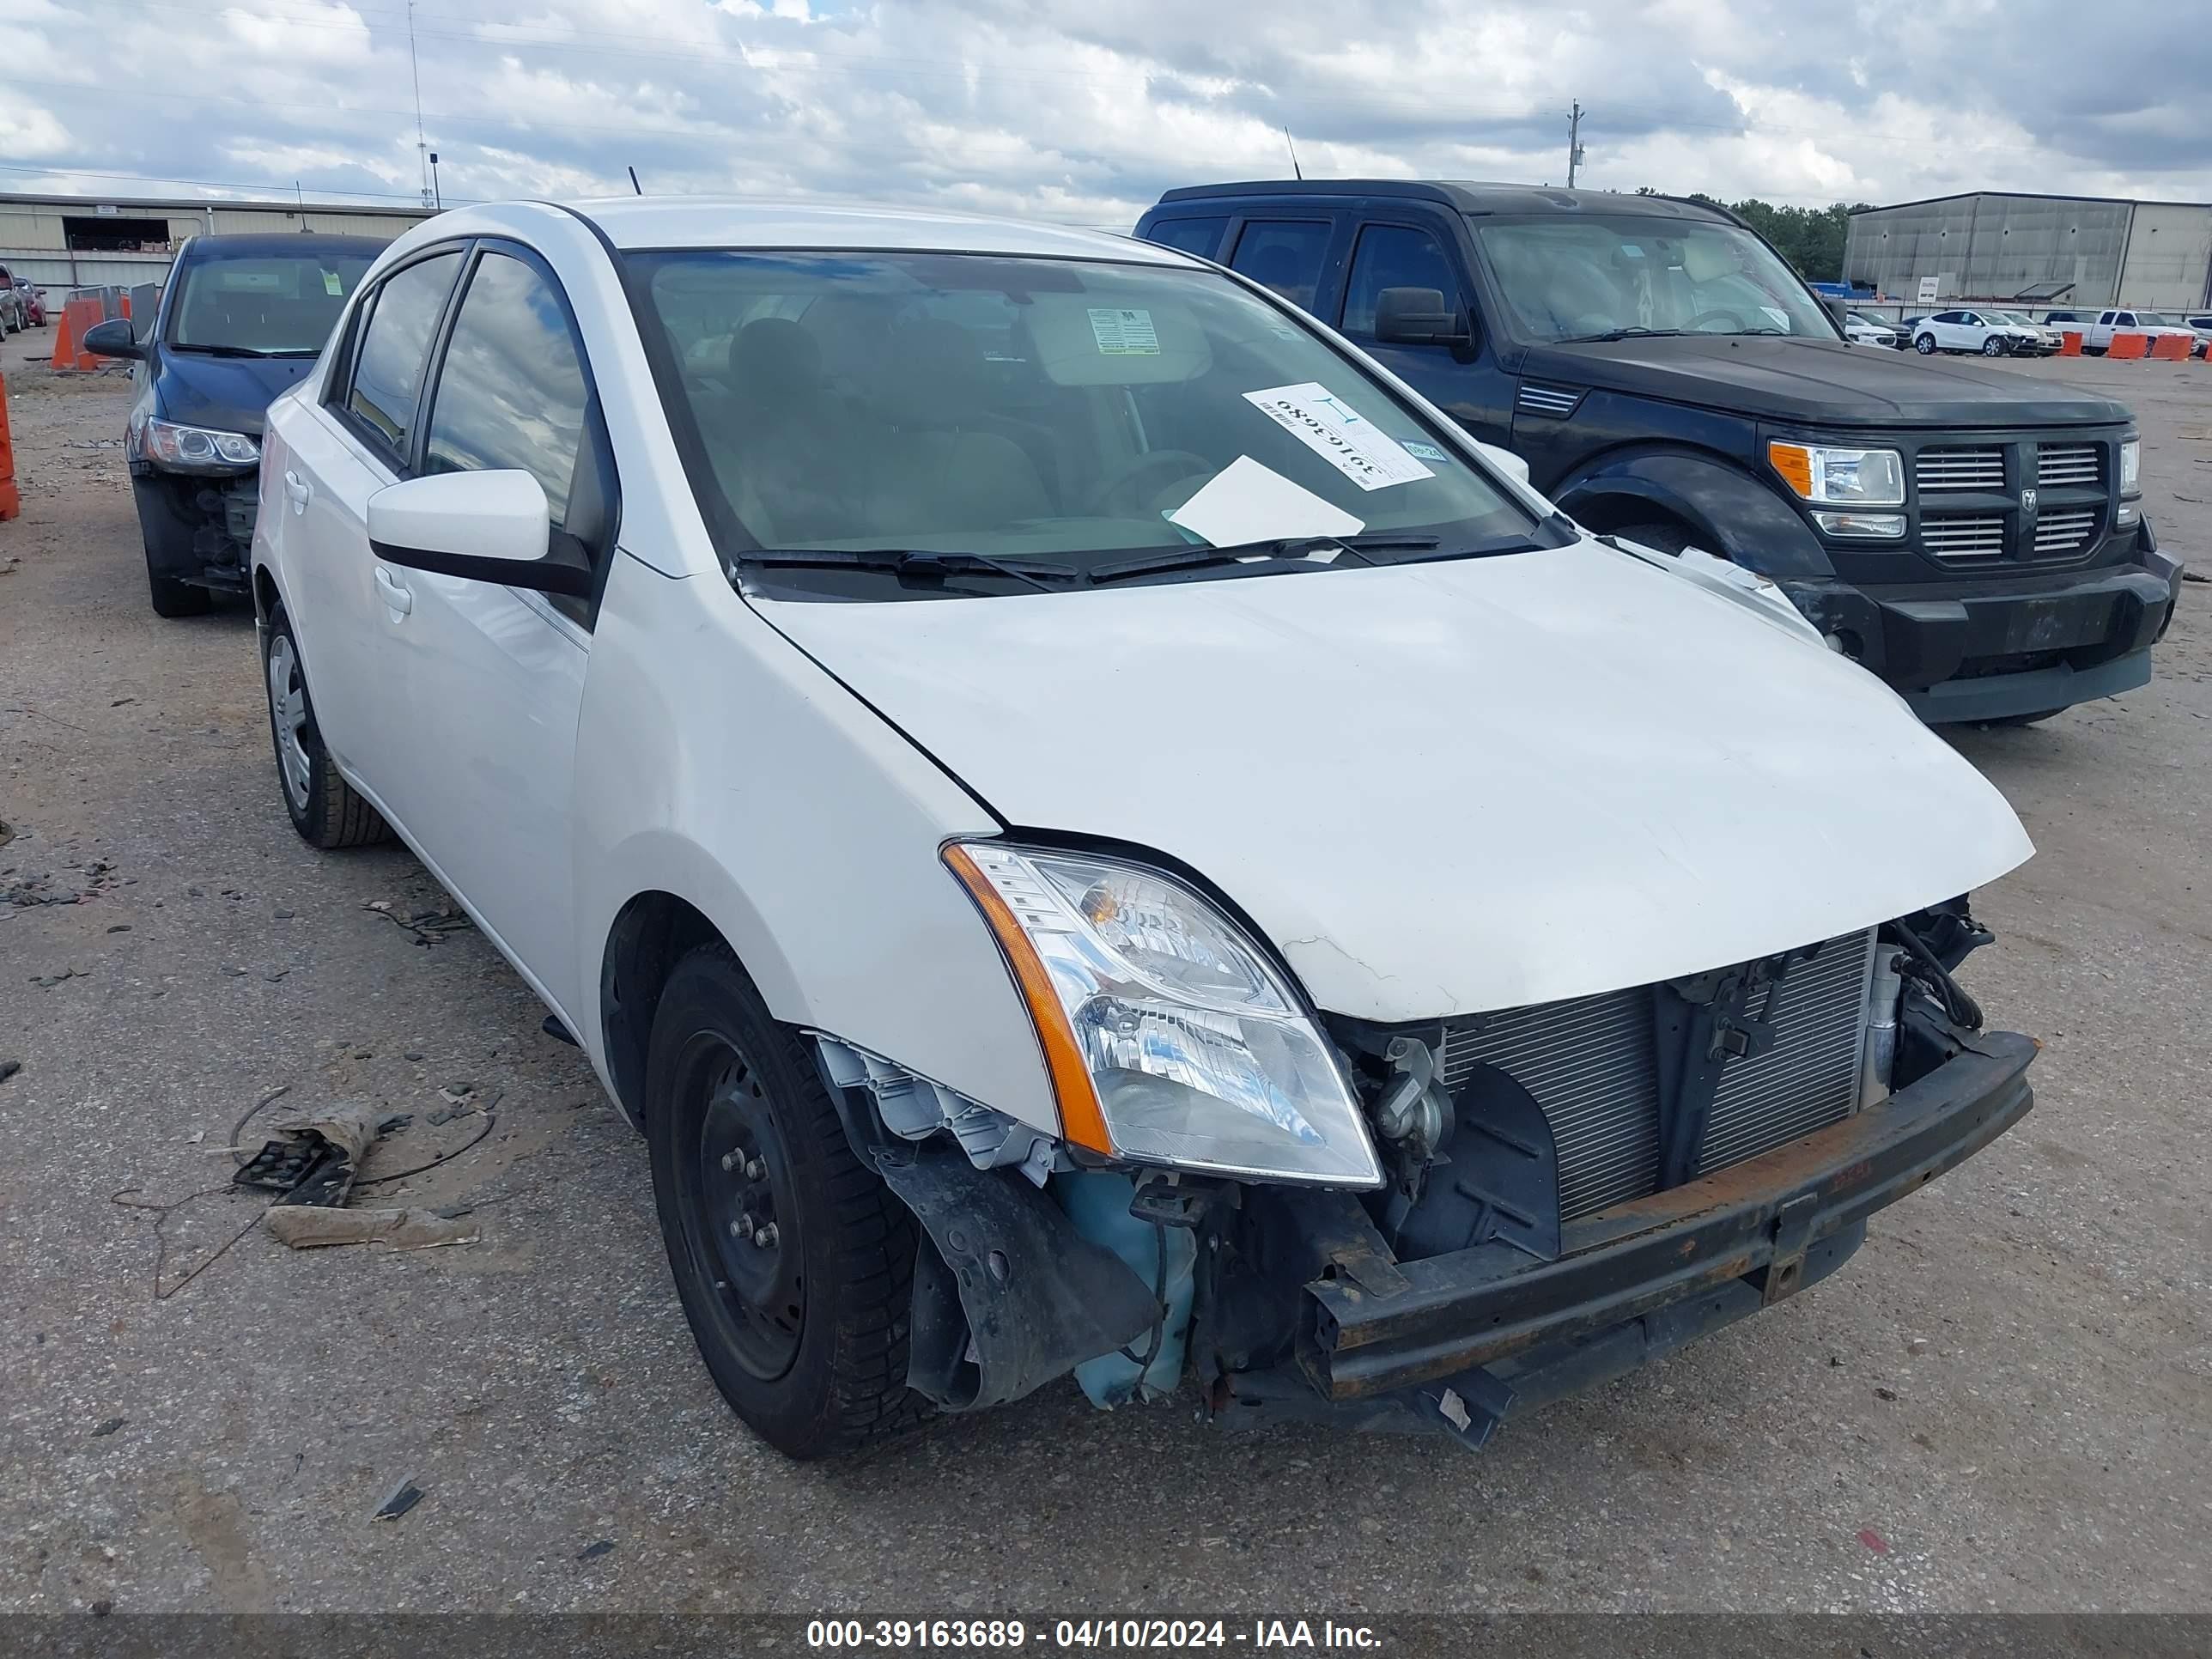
[[1924, 344], [793, 1260], [1993, 347], [326, 810]]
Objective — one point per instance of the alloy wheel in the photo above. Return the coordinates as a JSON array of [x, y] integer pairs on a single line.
[[288, 707]]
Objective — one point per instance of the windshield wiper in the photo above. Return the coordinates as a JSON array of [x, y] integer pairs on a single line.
[[906, 561], [1281, 547], [225, 350], [1633, 331]]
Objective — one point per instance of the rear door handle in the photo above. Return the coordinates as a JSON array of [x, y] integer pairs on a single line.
[[297, 490], [395, 597]]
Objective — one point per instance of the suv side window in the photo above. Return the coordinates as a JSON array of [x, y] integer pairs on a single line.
[[1393, 256], [386, 387], [512, 392], [1199, 236], [1285, 255]]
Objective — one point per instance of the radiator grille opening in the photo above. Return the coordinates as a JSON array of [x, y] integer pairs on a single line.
[[1592, 1064], [2065, 531], [1939, 470], [2068, 463], [1963, 537]]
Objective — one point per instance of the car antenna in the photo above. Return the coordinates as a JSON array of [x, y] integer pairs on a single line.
[[634, 185], [1297, 170]]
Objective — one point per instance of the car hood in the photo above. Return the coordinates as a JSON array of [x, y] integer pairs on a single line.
[[1822, 382], [1447, 787], [231, 394]]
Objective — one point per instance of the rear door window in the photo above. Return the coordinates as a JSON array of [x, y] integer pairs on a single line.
[[386, 389], [1199, 236], [1395, 256], [1285, 255]]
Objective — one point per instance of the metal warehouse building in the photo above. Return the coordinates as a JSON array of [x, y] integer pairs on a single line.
[[2054, 249], [76, 241]]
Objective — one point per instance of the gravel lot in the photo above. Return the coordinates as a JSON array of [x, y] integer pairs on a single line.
[[2004, 1403]]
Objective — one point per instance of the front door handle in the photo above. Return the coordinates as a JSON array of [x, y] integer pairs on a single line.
[[397, 599], [297, 490]]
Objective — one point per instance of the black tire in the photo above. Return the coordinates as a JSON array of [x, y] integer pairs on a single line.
[[1664, 534], [1994, 347], [322, 804], [1924, 344], [806, 1335], [2023, 719]]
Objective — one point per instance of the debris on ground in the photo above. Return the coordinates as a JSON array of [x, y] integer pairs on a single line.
[[428, 927], [313, 1161], [107, 1428], [8, 1069], [405, 1497], [304, 1228], [594, 1551]]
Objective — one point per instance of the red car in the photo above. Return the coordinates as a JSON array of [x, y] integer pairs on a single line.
[[34, 303]]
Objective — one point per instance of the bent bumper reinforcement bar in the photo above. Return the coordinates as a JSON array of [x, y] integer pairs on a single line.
[[1365, 1333]]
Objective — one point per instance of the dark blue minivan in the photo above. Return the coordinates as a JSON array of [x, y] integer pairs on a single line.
[[241, 319]]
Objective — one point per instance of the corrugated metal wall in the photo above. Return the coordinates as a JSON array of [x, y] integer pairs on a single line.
[[2147, 254], [33, 245]]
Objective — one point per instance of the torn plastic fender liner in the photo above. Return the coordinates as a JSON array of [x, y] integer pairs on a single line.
[[1007, 1296]]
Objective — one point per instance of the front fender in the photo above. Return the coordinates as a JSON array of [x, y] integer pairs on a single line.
[[1730, 512]]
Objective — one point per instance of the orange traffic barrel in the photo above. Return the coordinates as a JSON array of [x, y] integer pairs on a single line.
[[2172, 348], [11, 500], [77, 315], [2070, 344], [2130, 345]]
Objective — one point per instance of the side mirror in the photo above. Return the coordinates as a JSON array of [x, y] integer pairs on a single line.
[[1504, 460], [1837, 313], [482, 526], [1417, 316], [113, 338]]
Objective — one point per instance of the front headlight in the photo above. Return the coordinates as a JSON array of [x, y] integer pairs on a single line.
[[1169, 1037], [2131, 466], [195, 447], [1840, 478]]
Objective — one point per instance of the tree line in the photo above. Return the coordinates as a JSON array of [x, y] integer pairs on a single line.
[[1811, 239]]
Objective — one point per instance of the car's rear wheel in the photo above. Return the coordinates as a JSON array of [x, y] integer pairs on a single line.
[[1924, 344], [793, 1260], [1993, 347], [325, 809]]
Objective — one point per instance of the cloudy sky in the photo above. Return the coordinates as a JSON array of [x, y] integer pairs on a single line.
[[1084, 110]]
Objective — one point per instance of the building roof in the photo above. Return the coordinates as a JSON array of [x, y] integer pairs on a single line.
[[184, 206], [1466, 196], [2023, 195], [268, 243]]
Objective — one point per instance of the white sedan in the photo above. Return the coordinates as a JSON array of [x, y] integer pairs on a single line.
[[1861, 330], [1986, 332], [1056, 793]]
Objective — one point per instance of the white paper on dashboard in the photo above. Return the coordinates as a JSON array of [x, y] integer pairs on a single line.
[[1338, 434], [1246, 502]]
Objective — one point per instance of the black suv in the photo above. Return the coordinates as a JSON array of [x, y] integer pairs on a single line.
[[1975, 538]]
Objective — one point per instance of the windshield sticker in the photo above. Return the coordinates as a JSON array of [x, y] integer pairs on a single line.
[[1246, 502], [1781, 316], [1124, 333], [330, 285], [1333, 431], [1426, 452]]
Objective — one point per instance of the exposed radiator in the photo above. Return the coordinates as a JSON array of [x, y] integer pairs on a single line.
[[1592, 1064]]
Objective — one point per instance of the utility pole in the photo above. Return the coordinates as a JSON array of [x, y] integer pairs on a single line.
[[1574, 139], [415, 70]]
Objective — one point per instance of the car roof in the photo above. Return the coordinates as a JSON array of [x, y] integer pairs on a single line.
[[271, 242], [682, 222], [1465, 196]]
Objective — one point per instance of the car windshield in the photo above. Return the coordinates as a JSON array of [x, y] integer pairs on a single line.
[[2151, 319], [1095, 415], [262, 304], [1592, 277], [1871, 322]]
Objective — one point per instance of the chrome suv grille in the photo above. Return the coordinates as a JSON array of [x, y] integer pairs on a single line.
[[1963, 537], [2068, 463], [1592, 1064], [2063, 532], [1940, 470]]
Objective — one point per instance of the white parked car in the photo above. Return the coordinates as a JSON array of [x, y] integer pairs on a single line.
[[2097, 337], [1984, 331], [2045, 341], [1095, 830], [1868, 330]]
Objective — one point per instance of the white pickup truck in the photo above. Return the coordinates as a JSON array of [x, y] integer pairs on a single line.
[[2097, 337]]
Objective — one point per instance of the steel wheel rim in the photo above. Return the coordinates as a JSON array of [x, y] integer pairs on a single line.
[[744, 1221], [288, 716]]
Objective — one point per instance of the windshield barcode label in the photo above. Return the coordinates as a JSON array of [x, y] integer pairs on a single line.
[[1370, 458], [1124, 333]]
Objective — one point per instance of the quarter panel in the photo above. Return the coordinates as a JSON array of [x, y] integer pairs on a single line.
[[715, 761]]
